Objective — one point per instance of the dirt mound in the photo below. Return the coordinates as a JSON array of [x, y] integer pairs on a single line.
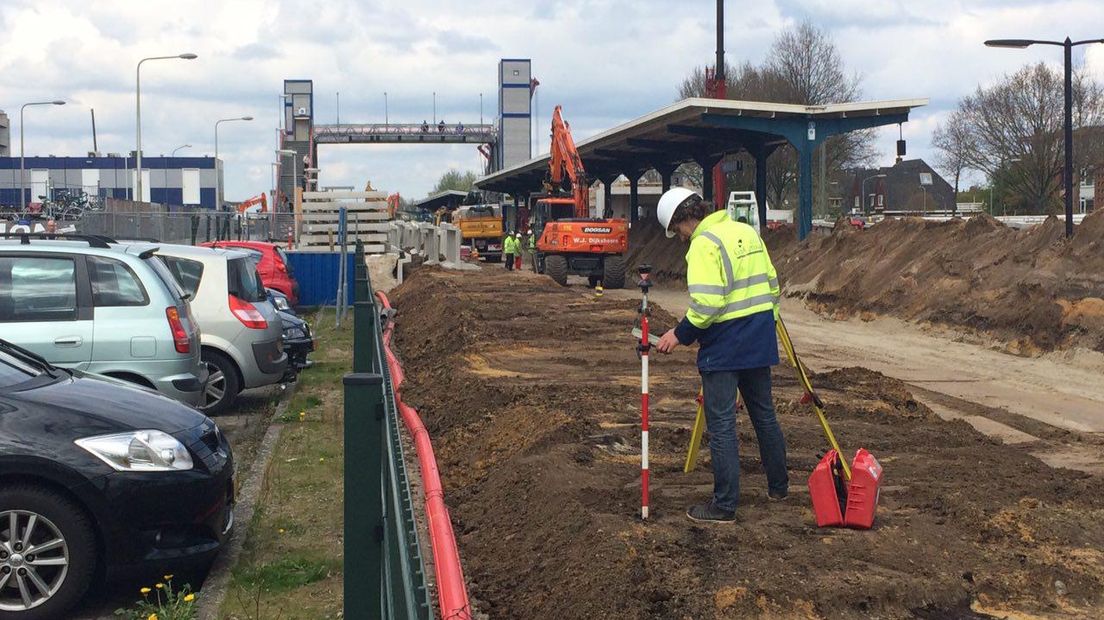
[[649, 245], [1031, 287], [532, 394]]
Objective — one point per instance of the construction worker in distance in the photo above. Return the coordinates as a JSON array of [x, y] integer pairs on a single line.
[[733, 306], [532, 249], [517, 250], [509, 247]]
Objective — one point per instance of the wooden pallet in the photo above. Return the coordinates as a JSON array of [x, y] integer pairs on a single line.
[[366, 220]]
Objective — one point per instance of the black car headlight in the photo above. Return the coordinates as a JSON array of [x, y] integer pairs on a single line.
[[294, 333], [145, 450], [281, 303]]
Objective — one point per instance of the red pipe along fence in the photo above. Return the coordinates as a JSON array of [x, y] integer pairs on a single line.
[[452, 593]]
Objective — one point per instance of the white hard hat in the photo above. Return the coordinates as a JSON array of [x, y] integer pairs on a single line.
[[518, 235], [669, 202]]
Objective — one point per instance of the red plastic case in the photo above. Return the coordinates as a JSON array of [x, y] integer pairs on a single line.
[[854, 506]]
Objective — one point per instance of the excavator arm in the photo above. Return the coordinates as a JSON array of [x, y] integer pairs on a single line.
[[565, 161]]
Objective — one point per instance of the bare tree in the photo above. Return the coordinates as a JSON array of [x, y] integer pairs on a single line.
[[954, 147], [1015, 129], [803, 67]]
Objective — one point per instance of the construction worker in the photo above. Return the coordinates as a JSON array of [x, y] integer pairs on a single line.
[[733, 306], [532, 249], [517, 250], [509, 247]]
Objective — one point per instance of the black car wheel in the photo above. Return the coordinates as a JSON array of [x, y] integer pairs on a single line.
[[47, 553], [222, 383]]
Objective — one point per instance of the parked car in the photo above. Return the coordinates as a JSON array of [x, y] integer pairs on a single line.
[[272, 264], [84, 304], [242, 332], [298, 340], [279, 300], [98, 475]]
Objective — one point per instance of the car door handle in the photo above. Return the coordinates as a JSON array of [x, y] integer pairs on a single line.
[[69, 341]]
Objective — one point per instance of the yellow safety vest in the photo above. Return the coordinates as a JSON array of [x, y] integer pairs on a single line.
[[728, 272]]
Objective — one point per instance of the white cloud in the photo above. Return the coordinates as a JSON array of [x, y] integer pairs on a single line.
[[606, 62]]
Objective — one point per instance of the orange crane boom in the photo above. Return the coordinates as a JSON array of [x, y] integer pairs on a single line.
[[565, 161]]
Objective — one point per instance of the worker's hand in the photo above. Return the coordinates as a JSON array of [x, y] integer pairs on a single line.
[[667, 342]]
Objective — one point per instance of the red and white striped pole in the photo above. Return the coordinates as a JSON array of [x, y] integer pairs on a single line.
[[645, 346]]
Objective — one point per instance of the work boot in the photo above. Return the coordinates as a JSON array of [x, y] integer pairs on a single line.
[[777, 496], [708, 513]]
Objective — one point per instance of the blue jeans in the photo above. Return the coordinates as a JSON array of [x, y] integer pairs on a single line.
[[719, 389]]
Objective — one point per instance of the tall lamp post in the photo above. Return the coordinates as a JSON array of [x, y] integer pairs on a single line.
[[218, 185], [138, 113], [22, 180], [182, 146], [1067, 46], [863, 188]]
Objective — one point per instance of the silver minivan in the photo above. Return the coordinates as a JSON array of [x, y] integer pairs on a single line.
[[110, 310], [242, 332]]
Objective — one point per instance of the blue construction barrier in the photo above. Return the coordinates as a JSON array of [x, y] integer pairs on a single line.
[[318, 274]]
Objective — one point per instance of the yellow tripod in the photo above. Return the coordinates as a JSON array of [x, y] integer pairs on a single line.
[[810, 393]]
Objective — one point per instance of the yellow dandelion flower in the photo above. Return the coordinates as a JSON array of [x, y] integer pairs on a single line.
[[281, 530], [168, 577], [152, 617], [321, 459], [144, 590], [188, 598], [159, 586]]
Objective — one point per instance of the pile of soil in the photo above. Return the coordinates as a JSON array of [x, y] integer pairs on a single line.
[[531, 394], [1031, 287]]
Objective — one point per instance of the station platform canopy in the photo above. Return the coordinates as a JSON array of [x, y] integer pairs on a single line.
[[450, 199], [704, 131]]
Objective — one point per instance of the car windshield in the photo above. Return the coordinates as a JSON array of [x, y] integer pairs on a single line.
[[14, 371], [18, 365], [243, 281], [187, 273], [176, 291]]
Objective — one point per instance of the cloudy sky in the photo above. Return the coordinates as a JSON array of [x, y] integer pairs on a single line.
[[606, 62]]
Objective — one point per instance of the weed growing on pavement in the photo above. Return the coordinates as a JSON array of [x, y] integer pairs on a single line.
[[162, 602]]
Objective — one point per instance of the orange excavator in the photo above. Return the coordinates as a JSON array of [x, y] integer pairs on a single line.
[[570, 241], [259, 199]]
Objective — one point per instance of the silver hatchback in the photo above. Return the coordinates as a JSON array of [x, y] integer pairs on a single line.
[[110, 310], [242, 332]]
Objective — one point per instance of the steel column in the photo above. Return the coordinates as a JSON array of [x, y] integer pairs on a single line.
[[805, 190], [364, 453], [761, 154], [634, 197]]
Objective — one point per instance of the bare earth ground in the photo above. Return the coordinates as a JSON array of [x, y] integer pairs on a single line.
[[959, 375], [531, 394]]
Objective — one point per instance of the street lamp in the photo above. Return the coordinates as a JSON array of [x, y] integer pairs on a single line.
[[138, 112], [22, 180], [182, 146], [294, 179], [218, 185], [1067, 46], [863, 188]]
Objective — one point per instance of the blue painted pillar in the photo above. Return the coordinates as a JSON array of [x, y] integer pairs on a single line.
[[634, 196], [761, 155], [805, 189]]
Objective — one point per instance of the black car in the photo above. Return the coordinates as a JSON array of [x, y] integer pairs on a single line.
[[97, 474], [298, 341]]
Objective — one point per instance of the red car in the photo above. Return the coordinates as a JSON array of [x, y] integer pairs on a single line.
[[272, 265]]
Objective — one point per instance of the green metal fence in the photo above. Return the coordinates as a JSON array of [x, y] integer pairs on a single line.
[[384, 572]]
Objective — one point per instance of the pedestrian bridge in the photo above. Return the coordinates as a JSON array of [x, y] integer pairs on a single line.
[[404, 133]]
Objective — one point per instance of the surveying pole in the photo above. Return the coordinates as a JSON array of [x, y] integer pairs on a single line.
[[645, 284]]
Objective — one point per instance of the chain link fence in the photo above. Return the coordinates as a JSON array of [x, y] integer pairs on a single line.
[[186, 227]]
